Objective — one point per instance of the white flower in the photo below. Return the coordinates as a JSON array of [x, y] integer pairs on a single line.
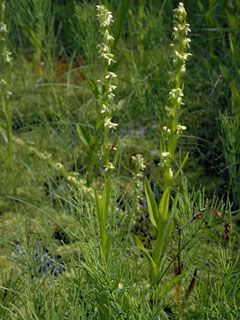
[[3, 27], [104, 108], [109, 166], [183, 68], [110, 75], [186, 42], [103, 48], [7, 55], [107, 36], [111, 95], [169, 111], [9, 93], [60, 166], [2, 81], [110, 91], [187, 29], [181, 128], [72, 179], [174, 93], [165, 154], [182, 57], [186, 56], [166, 129], [108, 56], [109, 124], [111, 88]]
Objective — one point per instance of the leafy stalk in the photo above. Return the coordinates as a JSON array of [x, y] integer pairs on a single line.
[[162, 215], [104, 99]]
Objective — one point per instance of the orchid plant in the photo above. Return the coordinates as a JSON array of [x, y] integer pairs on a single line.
[[161, 215], [104, 100]]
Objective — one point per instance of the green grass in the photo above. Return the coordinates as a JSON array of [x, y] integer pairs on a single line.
[[54, 68]]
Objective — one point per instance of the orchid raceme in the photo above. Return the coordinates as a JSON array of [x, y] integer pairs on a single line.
[[180, 45], [161, 215], [138, 179], [104, 99]]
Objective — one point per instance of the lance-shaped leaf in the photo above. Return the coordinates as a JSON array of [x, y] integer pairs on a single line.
[[84, 136], [120, 20], [164, 237], [169, 226], [181, 167], [153, 266], [164, 204], [106, 197], [99, 211], [92, 84], [116, 156], [152, 205]]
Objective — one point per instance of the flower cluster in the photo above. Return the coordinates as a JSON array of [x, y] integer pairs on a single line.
[[6, 55], [181, 42], [106, 86], [179, 46], [104, 16], [140, 166], [138, 176], [175, 96]]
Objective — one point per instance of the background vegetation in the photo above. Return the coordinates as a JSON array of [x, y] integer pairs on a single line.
[[49, 240]]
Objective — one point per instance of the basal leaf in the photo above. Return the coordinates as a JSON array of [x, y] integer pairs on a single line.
[[152, 205], [98, 209], [152, 264], [106, 197]]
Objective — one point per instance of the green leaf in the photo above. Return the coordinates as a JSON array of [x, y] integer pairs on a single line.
[[232, 19], [169, 226], [87, 255], [3, 125], [152, 205], [107, 248], [200, 5], [225, 72], [164, 204], [98, 209], [181, 167], [106, 196], [116, 156], [105, 244], [167, 286], [84, 135], [164, 237], [152, 264], [120, 20], [92, 85]]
